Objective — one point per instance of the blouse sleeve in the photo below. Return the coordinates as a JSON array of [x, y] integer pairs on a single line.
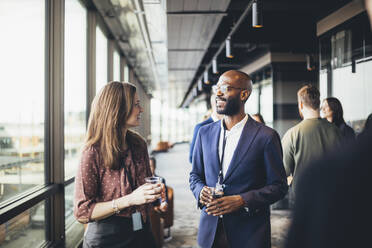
[[86, 186]]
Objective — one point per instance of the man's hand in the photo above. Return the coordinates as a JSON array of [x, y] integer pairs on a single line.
[[205, 195], [225, 205]]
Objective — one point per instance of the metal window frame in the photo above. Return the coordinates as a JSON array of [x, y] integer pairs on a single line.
[[91, 59], [53, 191], [110, 59]]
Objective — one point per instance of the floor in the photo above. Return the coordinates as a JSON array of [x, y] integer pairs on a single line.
[[174, 167]]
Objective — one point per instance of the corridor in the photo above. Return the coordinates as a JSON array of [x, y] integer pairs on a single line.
[[174, 167]]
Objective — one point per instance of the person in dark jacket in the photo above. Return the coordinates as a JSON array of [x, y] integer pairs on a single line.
[[331, 208], [333, 112], [214, 117]]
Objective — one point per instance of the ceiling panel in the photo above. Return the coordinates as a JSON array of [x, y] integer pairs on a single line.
[[189, 35]]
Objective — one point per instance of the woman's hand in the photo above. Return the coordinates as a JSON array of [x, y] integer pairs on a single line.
[[146, 193]]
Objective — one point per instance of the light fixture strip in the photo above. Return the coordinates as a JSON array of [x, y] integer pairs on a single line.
[[206, 79], [214, 66]]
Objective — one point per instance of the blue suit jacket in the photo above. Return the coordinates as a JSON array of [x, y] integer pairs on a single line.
[[196, 130], [256, 172]]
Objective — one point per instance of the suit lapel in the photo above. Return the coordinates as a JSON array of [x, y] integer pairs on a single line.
[[215, 137], [246, 138]]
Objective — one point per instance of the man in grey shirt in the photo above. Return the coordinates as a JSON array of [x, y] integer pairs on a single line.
[[312, 138]]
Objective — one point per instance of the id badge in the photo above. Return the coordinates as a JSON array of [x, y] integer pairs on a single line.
[[137, 221]]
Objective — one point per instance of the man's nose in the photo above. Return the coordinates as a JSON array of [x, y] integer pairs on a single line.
[[219, 92]]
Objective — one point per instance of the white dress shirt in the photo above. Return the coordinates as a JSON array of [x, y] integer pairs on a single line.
[[232, 139]]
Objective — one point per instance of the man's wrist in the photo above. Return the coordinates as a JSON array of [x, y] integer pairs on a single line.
[[241, 200]]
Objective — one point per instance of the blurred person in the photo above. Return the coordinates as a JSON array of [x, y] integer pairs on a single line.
[[331, 207], [312, 138], [331, 211], [110, 190], [213, 118], [258, 117], [245, 158], [333, 112]]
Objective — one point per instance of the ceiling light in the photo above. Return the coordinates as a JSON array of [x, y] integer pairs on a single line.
[[309, 62], [214, 66], [206, 80], [228, 48], [200, 85], [257, 14]]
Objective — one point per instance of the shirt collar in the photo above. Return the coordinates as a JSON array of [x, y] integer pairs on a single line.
[[238, 126]]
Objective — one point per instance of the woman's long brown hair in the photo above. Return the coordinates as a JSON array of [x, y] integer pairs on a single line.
[[110, 111]]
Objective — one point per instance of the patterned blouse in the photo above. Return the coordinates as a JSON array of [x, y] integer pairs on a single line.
[[96, 183]]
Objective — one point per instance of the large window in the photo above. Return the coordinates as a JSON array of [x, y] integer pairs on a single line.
[[101, 59], [252, 104], [22, 93], [266, 103], [116, 66], [75, 83], [75, 102], [24, 230], [347, 75]]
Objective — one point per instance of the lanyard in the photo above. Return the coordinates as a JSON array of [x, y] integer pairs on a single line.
[[220, 175], [128, 173]]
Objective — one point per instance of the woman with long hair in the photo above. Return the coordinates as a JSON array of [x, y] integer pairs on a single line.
[[333, 112], [110, 190]]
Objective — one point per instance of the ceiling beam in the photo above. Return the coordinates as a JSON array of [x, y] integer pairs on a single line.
[[196, 13], [186, 50], [182, 69]]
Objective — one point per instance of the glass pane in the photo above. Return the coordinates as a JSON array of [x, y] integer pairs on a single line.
[[69, 205], [75, 83], [126, 73], [101, 59], [24, 230], [74, 230], [116, 66], [266, 103], [325, 52], [22, 50], [251, 106]]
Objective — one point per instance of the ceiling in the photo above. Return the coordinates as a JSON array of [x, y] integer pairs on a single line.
[[289, 26], [191, 27]]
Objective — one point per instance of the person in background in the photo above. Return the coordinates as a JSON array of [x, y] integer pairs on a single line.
[[333, 112], [332, 207], [110, 190], [214, 117], [312, 138], [258, 117]]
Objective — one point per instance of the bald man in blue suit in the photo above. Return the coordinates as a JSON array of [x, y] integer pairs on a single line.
[[246, 158]]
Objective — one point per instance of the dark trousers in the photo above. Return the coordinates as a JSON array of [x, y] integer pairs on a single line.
[[117, 232], [220, 240]]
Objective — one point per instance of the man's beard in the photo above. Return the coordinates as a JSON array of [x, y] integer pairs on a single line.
[[232, 106]]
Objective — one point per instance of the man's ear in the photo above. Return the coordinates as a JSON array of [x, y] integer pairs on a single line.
[[244, 95]]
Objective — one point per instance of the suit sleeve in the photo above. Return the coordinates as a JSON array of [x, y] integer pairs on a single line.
[[288, 156], [276, 182], [192, 145], [197, 176]]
